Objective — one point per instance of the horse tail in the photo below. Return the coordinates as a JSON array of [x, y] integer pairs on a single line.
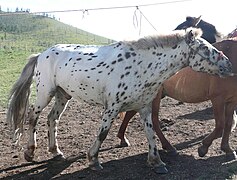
[[19, 98], [234, 121]]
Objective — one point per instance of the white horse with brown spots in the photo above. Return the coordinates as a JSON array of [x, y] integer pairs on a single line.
[[121, 77]]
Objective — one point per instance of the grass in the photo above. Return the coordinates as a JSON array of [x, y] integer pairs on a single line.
[[22, 35], [11, 66]]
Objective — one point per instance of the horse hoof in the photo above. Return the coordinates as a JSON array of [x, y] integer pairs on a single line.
[[123, 143], [28, 157], [96, 166], [231, 156], [59, 157], [173, 153], [202, 151], [160, 169]]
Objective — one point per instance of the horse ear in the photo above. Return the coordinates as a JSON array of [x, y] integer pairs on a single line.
[[196, 21], [190, 37]]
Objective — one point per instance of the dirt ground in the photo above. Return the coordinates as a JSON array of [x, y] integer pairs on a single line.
[[185, 125]]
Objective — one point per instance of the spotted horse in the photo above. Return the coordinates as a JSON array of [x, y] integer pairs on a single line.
[[121, 77]]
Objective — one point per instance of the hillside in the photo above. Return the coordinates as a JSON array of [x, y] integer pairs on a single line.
[[24, 34], [35, 32]]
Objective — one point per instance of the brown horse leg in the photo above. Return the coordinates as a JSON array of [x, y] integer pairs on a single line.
[[219, 115], [229, 110], [121, 133], [156, 125]]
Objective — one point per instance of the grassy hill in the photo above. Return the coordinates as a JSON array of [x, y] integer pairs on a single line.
[[22, 35]]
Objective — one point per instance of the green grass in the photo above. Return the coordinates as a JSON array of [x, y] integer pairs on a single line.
[[11, 65], [22, 35]]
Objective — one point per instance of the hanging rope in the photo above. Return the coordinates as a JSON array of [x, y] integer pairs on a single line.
[[148, 21], [85, 12], [137, 20]]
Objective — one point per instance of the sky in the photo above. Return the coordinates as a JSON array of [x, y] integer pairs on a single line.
[[128, 23]]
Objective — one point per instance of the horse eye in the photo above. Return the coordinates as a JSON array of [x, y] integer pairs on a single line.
[[204, 48]]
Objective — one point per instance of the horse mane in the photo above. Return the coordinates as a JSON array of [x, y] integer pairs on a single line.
[[168, 40]]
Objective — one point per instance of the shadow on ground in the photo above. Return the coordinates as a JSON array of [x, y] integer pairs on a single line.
[[131, 168], [202, 115]]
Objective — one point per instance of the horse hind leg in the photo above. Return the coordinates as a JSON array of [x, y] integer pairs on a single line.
[[36, 109], [225, 146], [61, 100], [171, 150], [121, 133], [219, 115]]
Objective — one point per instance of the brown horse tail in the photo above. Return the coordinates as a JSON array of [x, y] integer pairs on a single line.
[[19, 98], [234, 121]]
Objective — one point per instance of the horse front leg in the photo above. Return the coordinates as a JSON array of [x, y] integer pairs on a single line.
[[225, 146], [107, 120], [154, 159], [53, 118], [219, 115], [121, 133]]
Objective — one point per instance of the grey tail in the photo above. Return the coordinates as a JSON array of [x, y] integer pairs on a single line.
[[19, 98]]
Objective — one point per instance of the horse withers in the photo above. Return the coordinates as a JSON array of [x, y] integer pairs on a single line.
[[221, 91], [123, 76]]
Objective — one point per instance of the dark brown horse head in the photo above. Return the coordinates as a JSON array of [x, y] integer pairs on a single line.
[[228, 47], [209, 31]]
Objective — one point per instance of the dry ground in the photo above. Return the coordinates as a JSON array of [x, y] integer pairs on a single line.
[[185, 126]]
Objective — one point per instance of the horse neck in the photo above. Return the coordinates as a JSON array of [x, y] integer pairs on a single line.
[[171, 61]]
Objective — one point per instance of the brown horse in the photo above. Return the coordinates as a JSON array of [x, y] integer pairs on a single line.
[[221, 92]]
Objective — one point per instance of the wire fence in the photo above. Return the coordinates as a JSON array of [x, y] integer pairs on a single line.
[[27, 31]]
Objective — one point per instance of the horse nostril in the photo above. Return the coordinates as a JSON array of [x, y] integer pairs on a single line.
[[221, 69]]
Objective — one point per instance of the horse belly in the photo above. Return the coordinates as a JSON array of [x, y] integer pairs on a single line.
[[86, 94], [80, 87], [188, 86]]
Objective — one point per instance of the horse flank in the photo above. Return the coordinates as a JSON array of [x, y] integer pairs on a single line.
[[19, 97]]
